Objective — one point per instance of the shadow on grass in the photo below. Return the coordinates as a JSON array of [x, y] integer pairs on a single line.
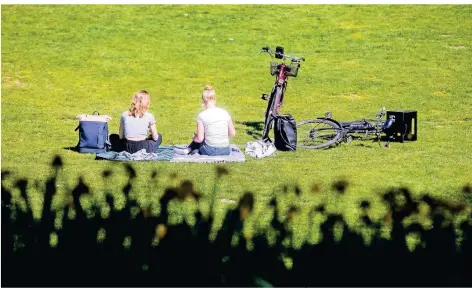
[[364, 145], [253, 128], [71, 148], [361, 141]]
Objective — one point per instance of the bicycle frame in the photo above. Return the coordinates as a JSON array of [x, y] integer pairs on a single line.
[[364, 126], [275, 101], [278, 90]]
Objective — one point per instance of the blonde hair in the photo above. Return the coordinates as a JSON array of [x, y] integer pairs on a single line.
[[140, 103], [208, 94]]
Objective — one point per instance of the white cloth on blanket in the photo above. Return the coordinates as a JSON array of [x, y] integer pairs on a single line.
[[140, 155], [260, 149]]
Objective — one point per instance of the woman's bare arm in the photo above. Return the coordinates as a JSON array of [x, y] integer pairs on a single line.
[[154, 134], [122, 131], [231, 129], [200, 135]]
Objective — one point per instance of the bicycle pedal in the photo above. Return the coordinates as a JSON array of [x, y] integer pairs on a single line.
[[265, 97]]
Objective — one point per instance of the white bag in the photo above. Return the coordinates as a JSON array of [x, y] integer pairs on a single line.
[[260, 149]]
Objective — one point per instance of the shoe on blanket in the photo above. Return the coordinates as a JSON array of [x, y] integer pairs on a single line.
[[194, 152], [180, 151]]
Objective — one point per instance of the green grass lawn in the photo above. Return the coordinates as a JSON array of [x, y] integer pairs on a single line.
[[59, 61]]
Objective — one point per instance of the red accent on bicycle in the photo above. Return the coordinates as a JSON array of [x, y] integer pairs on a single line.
[[282, 72]]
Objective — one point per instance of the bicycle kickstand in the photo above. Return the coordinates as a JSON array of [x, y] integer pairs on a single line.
[[387, 144]]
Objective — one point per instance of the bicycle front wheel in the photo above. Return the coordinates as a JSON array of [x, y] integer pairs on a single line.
[[318, 133]]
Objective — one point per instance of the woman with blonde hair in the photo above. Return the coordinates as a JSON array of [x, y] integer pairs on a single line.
[[214, 127], [136, 123]]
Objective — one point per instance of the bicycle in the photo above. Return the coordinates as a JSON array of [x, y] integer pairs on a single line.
[[318, 133], [282, 72], [326, 132]]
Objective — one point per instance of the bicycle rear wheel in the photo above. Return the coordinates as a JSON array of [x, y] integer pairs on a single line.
[[318, 133]]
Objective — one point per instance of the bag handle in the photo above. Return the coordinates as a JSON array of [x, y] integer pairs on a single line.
[[97, 113]]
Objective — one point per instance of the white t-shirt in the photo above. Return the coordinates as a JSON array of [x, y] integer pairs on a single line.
[[215, 121]]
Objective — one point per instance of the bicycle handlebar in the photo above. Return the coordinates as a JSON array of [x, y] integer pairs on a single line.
[[382, 113], [270, 51]]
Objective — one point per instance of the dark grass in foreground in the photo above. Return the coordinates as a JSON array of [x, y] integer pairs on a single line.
[[83, 242]]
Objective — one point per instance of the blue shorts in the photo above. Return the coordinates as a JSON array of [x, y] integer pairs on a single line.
[[205, 149]]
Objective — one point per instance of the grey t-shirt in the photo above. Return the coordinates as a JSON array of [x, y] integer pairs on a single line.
[[136, 127], [215, 121]]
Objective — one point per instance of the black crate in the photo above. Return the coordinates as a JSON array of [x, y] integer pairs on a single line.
[[405, 125]]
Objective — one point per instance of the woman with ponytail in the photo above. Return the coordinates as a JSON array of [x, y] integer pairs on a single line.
[[214, 127], [136, 123]]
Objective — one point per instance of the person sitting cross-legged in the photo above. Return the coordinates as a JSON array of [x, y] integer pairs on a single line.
[[214, 127], [135, 125]]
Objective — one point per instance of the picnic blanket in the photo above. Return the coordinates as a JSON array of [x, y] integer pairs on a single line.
[[167, 153], [162, 154]]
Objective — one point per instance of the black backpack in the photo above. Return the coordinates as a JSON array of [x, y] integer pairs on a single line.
[[285, 133], [93, 133]]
